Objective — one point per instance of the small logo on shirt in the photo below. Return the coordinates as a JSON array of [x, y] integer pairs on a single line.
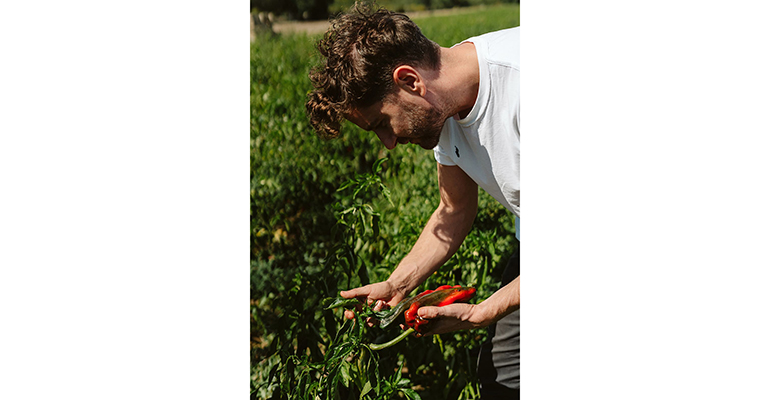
[[457, 151]]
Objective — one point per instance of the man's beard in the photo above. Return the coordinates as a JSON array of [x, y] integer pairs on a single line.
[[425, 126]]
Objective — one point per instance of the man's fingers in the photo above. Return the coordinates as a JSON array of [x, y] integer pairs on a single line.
[[356, 292], [381, 305], [457, 310], [361, 293], [428, 312], [368, 295]]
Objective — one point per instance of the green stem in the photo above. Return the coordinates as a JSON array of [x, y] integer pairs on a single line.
[[392, 342]]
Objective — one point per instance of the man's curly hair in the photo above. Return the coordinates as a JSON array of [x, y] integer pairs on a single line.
[[360, 51]]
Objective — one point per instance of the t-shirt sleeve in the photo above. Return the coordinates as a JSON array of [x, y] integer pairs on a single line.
[[441, 156]]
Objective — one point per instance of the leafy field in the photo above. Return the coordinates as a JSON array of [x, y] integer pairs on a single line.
[[412, 5], [311, 240]]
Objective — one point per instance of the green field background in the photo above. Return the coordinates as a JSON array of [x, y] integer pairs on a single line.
[[294, 180]]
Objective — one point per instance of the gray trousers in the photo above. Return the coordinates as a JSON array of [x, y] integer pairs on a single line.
[[498, 363]]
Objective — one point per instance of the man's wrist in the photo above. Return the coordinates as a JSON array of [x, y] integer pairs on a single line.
[[398, 285], [482, 315], [500, 304]]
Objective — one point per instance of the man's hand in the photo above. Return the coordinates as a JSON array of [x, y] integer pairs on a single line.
[[384, 294], [458, 316], [453, 317]]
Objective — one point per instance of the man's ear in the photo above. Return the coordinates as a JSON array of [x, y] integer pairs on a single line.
[[407, 78]]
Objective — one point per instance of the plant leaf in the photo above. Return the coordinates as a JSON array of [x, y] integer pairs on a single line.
[[345, 373], [336, 302], [378, 165], [367, 388], [363, 274], [411, 394]]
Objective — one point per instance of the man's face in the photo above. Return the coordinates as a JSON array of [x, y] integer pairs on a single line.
[[399, 120]]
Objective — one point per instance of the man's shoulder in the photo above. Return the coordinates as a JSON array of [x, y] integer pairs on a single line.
[[500, 47], [508, 35]]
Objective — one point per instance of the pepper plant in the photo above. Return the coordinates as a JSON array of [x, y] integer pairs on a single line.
[[319, 355], [348, 365]]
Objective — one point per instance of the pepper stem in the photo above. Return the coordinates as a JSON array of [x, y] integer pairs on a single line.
[[392, 342]]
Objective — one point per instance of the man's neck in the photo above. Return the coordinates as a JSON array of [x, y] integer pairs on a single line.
[[457, 84]]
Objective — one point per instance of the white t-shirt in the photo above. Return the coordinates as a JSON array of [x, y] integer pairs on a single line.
[[485, 144]]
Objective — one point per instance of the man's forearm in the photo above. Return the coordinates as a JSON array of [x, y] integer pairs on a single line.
[[501, 303], [442, 236]]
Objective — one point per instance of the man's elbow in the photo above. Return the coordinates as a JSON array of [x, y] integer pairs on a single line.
[[463, 214]]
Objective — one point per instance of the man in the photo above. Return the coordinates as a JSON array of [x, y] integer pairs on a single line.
[[381, 73]]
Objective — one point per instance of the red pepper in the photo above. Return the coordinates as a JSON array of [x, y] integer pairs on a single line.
[[410, 317], [451, 295]]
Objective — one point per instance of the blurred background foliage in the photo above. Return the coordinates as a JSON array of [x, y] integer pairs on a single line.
[[322, 9], [300, 254]]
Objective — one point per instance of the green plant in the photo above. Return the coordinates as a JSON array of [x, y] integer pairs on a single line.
[[347, 364]]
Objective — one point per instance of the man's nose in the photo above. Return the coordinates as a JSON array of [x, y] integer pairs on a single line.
[[387, 138]]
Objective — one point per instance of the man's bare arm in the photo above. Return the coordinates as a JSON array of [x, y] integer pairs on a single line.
[[443, 234], [445, 231]]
